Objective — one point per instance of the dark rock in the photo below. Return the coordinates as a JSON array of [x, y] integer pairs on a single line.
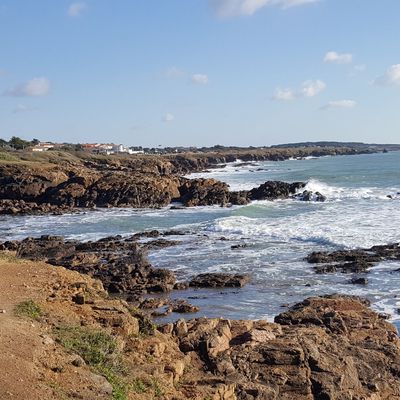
[[359, 281], [218, 280], [273, 190], [353, 261]]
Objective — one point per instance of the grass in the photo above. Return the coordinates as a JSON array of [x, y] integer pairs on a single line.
[[7, 157], [28, 309], [158, 391], [9, 256], [99, 350], [138, 386]]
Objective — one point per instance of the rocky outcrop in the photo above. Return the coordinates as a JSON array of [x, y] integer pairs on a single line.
[[308, 195], [323, 348], [273, 190], [353, 261], [120, 264], [219, 280], [204, 192], [331, 347]]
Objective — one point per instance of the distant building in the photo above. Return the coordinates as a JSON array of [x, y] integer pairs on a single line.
[[42, 146]]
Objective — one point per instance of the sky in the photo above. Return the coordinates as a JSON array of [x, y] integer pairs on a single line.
[[200, 72]]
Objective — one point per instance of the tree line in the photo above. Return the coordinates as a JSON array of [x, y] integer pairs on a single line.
[[17, 143]]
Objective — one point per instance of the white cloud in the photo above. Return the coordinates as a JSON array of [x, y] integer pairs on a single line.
[[312, 88], [33, 88], [285, 94], [309, 88], [168, 117], [340, 104], [76, 9], [233, 8], [338, 58], [200, 79], [294, 3], [174, 73], [391, 77]]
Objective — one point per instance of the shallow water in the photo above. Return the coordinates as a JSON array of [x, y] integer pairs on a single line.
[[278, 234]]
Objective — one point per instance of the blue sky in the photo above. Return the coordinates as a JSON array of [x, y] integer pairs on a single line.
[[200, 72]]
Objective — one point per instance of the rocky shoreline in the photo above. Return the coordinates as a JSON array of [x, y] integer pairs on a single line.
[[331, 347], [59, 182]]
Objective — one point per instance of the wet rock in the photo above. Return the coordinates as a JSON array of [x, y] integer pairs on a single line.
[[238, 246], [182, 306], [273, 190], [308, 195], [359, 281], [204, 192], [353, 261], [218, 280]]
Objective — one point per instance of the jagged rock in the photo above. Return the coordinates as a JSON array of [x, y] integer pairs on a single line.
[[220, 280], [330, 347], [121, 264], [353, 261], [308, 195], [273, 190]]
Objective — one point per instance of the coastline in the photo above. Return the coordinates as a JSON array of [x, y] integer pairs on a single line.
[[321, 347]]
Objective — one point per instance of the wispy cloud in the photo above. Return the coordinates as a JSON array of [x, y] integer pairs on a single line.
[[338, 58], [340, 104], [76, 9], [33, 88], [199, 79], [168, 117], [21, 108], [234, 8], [390, 78], [285, 94], [174, 73], [309, 88]]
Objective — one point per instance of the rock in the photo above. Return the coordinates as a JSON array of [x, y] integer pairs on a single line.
[[120, 263], [219, 280], [101, 384], [239, 246], [273, 190], [79, 298], [204, 192], [359, 281], [308, 195], [78, 361], [353, 261], [181, 285], [182, 306]]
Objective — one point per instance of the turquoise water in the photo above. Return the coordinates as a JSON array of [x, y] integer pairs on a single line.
[[278, 234]]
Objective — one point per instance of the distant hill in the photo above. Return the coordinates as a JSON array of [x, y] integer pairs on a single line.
[[353, 145]]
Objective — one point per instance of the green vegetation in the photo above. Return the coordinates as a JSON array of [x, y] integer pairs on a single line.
[[28, 309], [7, 156], [158, 391], [138, 386], [99, 350]]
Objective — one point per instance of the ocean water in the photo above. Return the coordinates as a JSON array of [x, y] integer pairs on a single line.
[[278, 234]]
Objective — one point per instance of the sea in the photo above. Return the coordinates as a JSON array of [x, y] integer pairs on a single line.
[[277, 235]]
